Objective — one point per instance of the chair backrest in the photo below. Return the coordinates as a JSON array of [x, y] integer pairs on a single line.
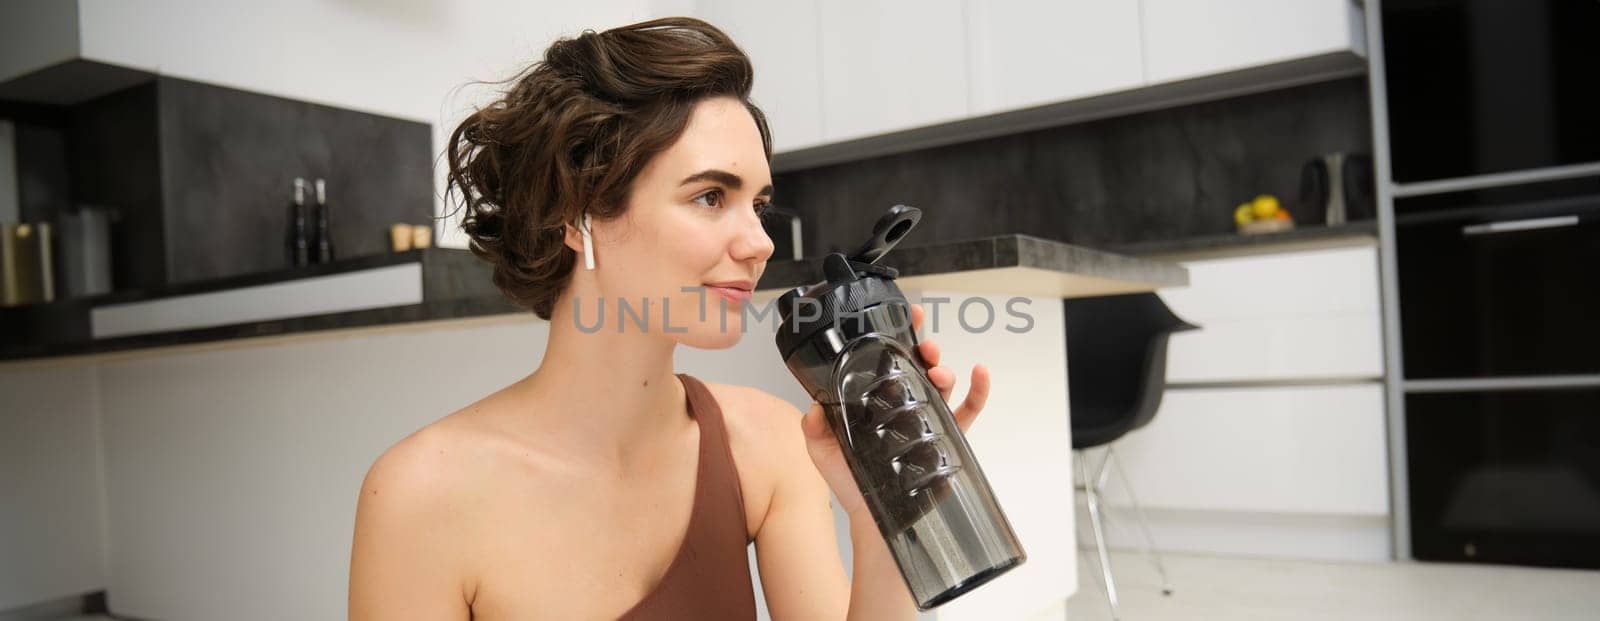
[[1116, 363]]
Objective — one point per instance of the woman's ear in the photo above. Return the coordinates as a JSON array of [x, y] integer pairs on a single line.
[[580, 239], [574, 236]]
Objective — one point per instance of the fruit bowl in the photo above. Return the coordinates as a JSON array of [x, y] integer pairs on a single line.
[[1262, 215], [1266, 226]]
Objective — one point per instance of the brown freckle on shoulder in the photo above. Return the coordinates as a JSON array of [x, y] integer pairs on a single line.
[[646, 383]]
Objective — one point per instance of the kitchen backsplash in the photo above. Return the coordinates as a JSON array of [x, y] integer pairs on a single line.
[[200, 175], [1159, 175]]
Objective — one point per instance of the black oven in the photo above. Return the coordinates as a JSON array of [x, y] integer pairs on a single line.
[[1500, 324], [1505, 476], [1501, 292]]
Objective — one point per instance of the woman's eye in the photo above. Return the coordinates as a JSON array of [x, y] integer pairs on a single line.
[[761, 208], [711, 199]]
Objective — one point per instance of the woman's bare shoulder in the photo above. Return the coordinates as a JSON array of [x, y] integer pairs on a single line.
[[444, 475], [756, 414], [421, 515], [421, 473], [765, 438]]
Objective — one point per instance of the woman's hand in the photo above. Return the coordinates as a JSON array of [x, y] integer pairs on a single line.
[[825, 451]]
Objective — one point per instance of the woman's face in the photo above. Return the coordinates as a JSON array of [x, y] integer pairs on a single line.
[[690, 241]]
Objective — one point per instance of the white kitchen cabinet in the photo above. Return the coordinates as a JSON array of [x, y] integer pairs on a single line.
[[782, 40], [891, 65], [1285, 450], [1027, 53], [52, 492], [1286, 316], [1276, 423], [1192, 38]]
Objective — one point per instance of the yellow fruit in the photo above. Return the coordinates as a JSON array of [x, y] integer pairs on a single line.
[[1243, 215], [1265, 206]]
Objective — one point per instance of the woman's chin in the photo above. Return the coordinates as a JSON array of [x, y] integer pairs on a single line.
[[712, 335]]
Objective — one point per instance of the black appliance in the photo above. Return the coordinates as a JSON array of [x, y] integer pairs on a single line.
[[1487, 86], [1499, 285]]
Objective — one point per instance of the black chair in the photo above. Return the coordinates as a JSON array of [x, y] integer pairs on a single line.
[[1116, 374]]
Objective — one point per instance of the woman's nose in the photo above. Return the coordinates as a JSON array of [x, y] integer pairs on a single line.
[[752, 242]]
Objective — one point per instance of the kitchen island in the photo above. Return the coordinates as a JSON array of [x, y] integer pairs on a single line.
[[197, 471]]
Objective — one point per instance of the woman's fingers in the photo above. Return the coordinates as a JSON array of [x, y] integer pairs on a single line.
[[977, 396], [813, 424], [930, 353], [944, 380]]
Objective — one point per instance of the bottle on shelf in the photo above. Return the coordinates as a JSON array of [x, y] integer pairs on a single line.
[[323, 249], [297, 244]]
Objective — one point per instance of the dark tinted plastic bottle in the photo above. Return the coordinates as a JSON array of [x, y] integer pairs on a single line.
[[849, 341]]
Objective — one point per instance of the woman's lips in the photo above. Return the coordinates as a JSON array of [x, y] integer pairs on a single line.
[[731, 294]]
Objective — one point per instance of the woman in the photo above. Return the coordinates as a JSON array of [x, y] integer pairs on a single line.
[[628, 165]]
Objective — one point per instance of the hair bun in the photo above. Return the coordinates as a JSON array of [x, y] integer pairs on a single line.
[[569, 135]]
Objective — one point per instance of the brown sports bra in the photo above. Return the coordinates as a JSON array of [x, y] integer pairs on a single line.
[[709, 578]]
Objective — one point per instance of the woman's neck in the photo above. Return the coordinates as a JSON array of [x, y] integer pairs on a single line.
[[606, 392]]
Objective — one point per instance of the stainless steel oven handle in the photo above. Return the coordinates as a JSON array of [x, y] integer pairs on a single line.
[[1508, 226]]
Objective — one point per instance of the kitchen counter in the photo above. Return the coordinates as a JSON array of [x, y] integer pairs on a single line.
[[1003, 264], [448, 284], [1358, 233], [452, 284]]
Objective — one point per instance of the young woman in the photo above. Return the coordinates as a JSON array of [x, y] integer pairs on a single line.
[[628, 165]]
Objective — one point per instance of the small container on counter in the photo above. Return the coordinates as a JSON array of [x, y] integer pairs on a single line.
[[400, 236]]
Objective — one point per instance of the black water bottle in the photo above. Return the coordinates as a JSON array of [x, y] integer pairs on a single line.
[[297, 244], [849, 341], [323, 249]]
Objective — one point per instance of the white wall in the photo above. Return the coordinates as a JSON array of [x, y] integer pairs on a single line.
[[232, 472], [52, 512], [413, 59]]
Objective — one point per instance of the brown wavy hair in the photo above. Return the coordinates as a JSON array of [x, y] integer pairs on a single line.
[[570, 134]]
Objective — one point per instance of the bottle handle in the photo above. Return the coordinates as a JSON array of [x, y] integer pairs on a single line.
[[890, 229]]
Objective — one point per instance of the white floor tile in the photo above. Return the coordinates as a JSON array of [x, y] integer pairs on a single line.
[[1237, 588]]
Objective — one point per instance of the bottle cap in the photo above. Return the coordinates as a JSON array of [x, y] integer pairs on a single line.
[[849, 286]]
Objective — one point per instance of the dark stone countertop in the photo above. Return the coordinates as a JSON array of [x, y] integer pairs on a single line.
[[974, 264], [456, 285], [1233, 244]]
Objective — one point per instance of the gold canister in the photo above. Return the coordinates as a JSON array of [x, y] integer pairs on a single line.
[[27, 275]]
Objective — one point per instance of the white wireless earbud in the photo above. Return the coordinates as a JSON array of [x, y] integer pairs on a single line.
[[588, 244]]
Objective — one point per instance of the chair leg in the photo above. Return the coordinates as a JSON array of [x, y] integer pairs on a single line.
[[1150, 551], [1092, 499]]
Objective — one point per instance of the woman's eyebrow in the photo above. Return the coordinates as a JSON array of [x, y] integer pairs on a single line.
[[711, 174], [723, 177]]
